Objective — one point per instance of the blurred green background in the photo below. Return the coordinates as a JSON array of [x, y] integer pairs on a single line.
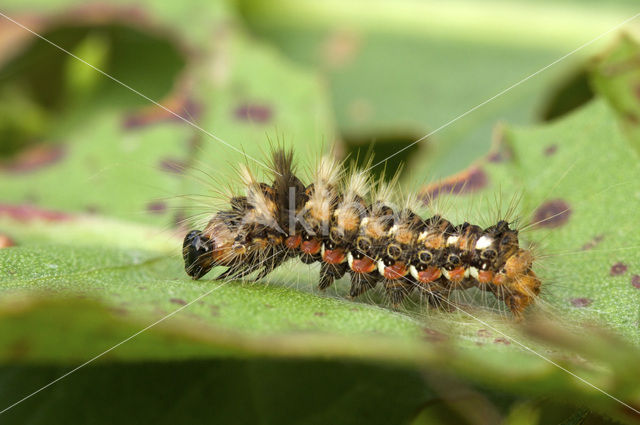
[[96, 183]]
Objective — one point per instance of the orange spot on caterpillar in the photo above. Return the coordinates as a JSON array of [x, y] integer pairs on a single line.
[[457, 274], [499, 279], [334, 256], [485, 276], [396, 271], [363, 265], [429, 274], [293, 242], [311, 247]]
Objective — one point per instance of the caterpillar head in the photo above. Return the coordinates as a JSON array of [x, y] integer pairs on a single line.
[[196, 251], [217, 245]]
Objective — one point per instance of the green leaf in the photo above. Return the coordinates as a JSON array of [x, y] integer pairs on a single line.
[[397, 71], [615, 75], [43, 319], [212, 391]]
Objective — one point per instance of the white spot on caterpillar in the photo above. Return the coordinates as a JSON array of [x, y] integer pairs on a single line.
[[364, 222], [452, 240], [413, 271], [466, 273], [422, 236], [473, 272], [381, 267], [349, 259], [445, 273], [393, 229], [322, 251], [484, 242]]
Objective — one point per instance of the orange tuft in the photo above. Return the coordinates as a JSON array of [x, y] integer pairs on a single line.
[[396, 271], [311, 247], [485, 276], [293, 242], [429, 274], [457, 274], [364, 265], [334, 256]]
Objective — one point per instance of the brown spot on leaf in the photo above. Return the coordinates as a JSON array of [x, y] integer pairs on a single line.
[[495, 157], [631, 117], [467, 181], [215, 310], [552, 214], [120, 311], [26, 213], [631, 409], [360, 110], [433, 335], [581, 302], [173, 165], [618, 269], [178, 109], [550, 150], [34, 158], [157, 207], [483, 333], [253, 112], [319, 314], [636, 91], [635, 281], [19, 349], [593, 242], [341, 47], [268, 306], [178, 301], [501, 340], [6, 241]]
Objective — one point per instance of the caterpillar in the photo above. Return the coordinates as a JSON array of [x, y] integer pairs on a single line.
[[350, 228]]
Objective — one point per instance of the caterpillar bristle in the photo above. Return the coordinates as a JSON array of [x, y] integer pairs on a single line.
[[365, 229]]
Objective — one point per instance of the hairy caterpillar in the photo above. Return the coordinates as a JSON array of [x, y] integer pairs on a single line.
[[350, 229]]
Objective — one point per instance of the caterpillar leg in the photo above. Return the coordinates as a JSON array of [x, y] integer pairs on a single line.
[[330, 272], [231, 273], [397, 290], [271, 266], [362, 282]]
